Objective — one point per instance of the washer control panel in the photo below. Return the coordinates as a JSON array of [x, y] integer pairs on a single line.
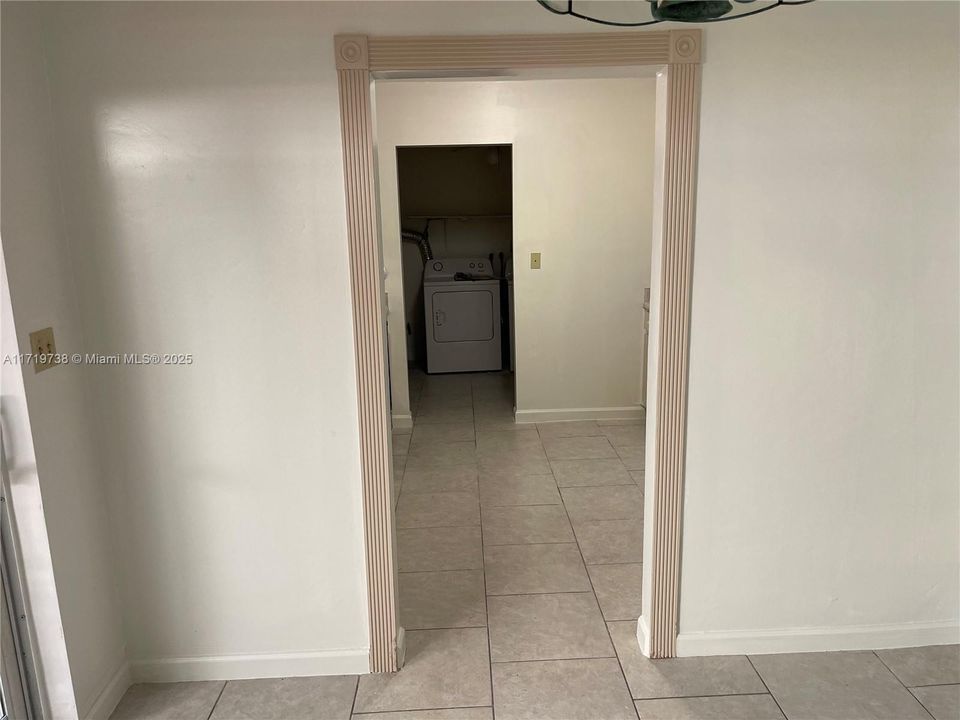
[[447, 268]]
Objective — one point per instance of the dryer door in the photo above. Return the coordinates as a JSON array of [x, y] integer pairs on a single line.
[[463, 316]]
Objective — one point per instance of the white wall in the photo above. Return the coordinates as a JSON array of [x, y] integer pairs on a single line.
[[51, 439], [582, 179], [822, 465], [202, 173]]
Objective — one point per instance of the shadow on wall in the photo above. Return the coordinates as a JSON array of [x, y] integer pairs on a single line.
[[185, 243]]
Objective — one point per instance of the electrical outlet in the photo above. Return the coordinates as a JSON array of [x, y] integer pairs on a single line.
[[44, 349], [534, 261]]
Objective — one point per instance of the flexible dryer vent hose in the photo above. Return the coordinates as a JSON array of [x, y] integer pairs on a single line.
[[420, 238]]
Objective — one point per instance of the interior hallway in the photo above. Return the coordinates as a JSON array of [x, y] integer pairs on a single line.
[[519, 544], [519, 552]]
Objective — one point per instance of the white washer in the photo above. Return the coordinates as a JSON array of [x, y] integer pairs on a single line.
[[461, 301]]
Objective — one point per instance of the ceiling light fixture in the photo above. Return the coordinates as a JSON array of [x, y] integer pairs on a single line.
[[651, 12]]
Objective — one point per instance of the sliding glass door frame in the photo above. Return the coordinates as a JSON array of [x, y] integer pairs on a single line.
[[18, 674]]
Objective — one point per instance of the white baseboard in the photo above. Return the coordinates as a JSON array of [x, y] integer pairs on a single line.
[[634, 412], [108, 698], [243, 667], [643, 636], [817, 639], [402, 422]]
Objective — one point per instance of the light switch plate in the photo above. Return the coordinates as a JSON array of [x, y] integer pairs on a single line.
[[43, 348], [534, 261]]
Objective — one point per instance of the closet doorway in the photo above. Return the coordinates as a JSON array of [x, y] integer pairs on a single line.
[[456, 220]]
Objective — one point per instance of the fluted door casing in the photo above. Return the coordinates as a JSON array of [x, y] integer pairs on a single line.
[[679, 52], [679, 187], [369, 340]]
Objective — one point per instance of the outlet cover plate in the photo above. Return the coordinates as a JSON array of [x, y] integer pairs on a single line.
[[43, 348]]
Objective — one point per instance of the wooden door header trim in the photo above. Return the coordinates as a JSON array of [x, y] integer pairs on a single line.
[[497, 52]]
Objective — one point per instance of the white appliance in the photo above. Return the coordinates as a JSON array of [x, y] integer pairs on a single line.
[[461, 300]]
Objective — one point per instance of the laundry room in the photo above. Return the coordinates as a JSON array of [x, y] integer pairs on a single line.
[[456, 227], [557, 175]]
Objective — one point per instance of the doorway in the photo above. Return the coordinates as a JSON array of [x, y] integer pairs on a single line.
[[521, 504], [677, 53], [456, 220]]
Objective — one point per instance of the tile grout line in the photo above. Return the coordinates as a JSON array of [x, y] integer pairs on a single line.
[[446, 570], [534, 544], [451, 627], [902, 684], [497, 507], [217, 701], [710, 695], [563, 542], [432, 527], [356, 691], [766, 687], [483, 565], [877, 656], [422, 710], [555, 659], [552, 592], [569, 487]]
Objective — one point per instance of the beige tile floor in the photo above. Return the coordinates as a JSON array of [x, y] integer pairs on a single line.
[[519, 552]]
